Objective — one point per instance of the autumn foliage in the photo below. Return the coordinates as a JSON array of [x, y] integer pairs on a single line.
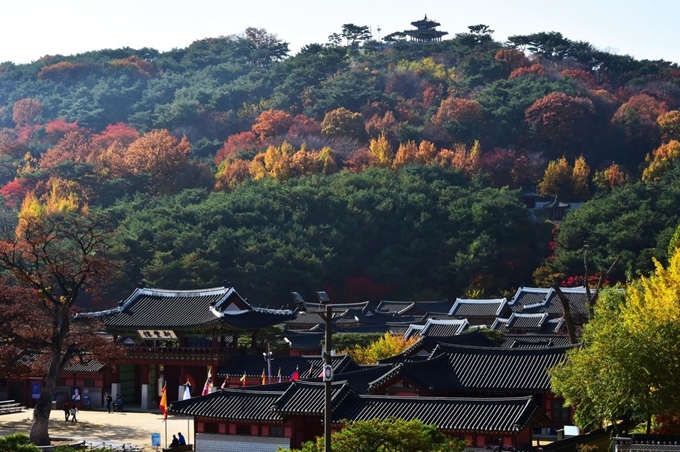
[[387, 346]]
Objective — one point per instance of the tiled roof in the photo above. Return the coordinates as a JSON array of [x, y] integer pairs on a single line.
[[530, 299], [498, 415], [455, 414], [535, 340], [235, 404], [335, 307], [578, 301], [306, 397], [148, 308], [478, 308], [427, 344], [527, 296], [434, 375], [35, 359], [519, 321], [505, 370], [438, 328], [415, 307], [253, 365], [304, 340]]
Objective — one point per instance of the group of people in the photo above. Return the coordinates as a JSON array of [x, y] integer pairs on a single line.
[[118, 406], [178, 440]]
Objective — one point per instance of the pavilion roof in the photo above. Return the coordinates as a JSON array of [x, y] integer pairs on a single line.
[[149, 308]]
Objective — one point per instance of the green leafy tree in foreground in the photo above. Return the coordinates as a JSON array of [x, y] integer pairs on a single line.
[[628, 366], [387, 435]]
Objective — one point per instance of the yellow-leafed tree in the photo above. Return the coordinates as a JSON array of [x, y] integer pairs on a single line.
[[385, 347]]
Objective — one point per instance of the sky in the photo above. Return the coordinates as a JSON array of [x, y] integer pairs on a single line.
[[30, 29]]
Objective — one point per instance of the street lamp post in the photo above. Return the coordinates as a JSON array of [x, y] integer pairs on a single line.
[[327, 412], [268, 358]]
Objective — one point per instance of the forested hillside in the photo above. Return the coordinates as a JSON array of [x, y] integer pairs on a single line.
[[370, 169]]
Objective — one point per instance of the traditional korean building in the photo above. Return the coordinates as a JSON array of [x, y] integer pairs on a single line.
[[426, 31], [241, 419], [172, 336]]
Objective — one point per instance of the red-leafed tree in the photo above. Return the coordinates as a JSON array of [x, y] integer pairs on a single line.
[[304, 126], [14, 192], [560, 121], [244, 142], [637, 121], [56, 129], [50, 263], [120, 132]]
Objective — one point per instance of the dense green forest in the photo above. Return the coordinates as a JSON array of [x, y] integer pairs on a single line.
[[369, 169]]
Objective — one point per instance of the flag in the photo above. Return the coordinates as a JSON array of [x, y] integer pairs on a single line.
[[295, 375], [263, 377], [279, 375], [208, 382], [243, 378], [225, 382], [187, 390], [164, 403], [311, 371]]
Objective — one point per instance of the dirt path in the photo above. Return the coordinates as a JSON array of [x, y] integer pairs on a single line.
[[126, 427]]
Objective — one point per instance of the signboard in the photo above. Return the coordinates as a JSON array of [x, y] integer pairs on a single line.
[[327, 373], [159, 335], [155, 440]]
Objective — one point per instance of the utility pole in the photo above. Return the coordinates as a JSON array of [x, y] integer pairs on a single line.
[[327, 412]]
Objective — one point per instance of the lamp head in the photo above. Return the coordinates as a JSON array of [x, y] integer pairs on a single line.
[[323, 297]]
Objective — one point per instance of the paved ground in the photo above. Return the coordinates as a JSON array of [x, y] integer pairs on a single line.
[[127, 427]]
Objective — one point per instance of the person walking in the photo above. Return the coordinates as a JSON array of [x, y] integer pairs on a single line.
[[67, 411], [74, 411], [109, 400]]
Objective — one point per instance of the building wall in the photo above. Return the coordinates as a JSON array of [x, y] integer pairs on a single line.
[[215, 442]]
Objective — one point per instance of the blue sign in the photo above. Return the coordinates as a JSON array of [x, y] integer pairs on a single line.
[[155, 440]]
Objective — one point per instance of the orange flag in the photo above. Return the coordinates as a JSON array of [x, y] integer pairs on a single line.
[[164, 402], [264, 381]]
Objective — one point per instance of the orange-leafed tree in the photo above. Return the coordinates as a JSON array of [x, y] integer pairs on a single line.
[[272, 123], [512, 58], [382, 125], [74, 147], [535, 69], [611, 177], [159, 156], [10, 145], [662, 159], [231, 174], [461, 118], [52, 261], [26, 111], [670, 125]]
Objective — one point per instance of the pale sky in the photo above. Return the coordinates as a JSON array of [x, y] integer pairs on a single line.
[[30, 29]]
